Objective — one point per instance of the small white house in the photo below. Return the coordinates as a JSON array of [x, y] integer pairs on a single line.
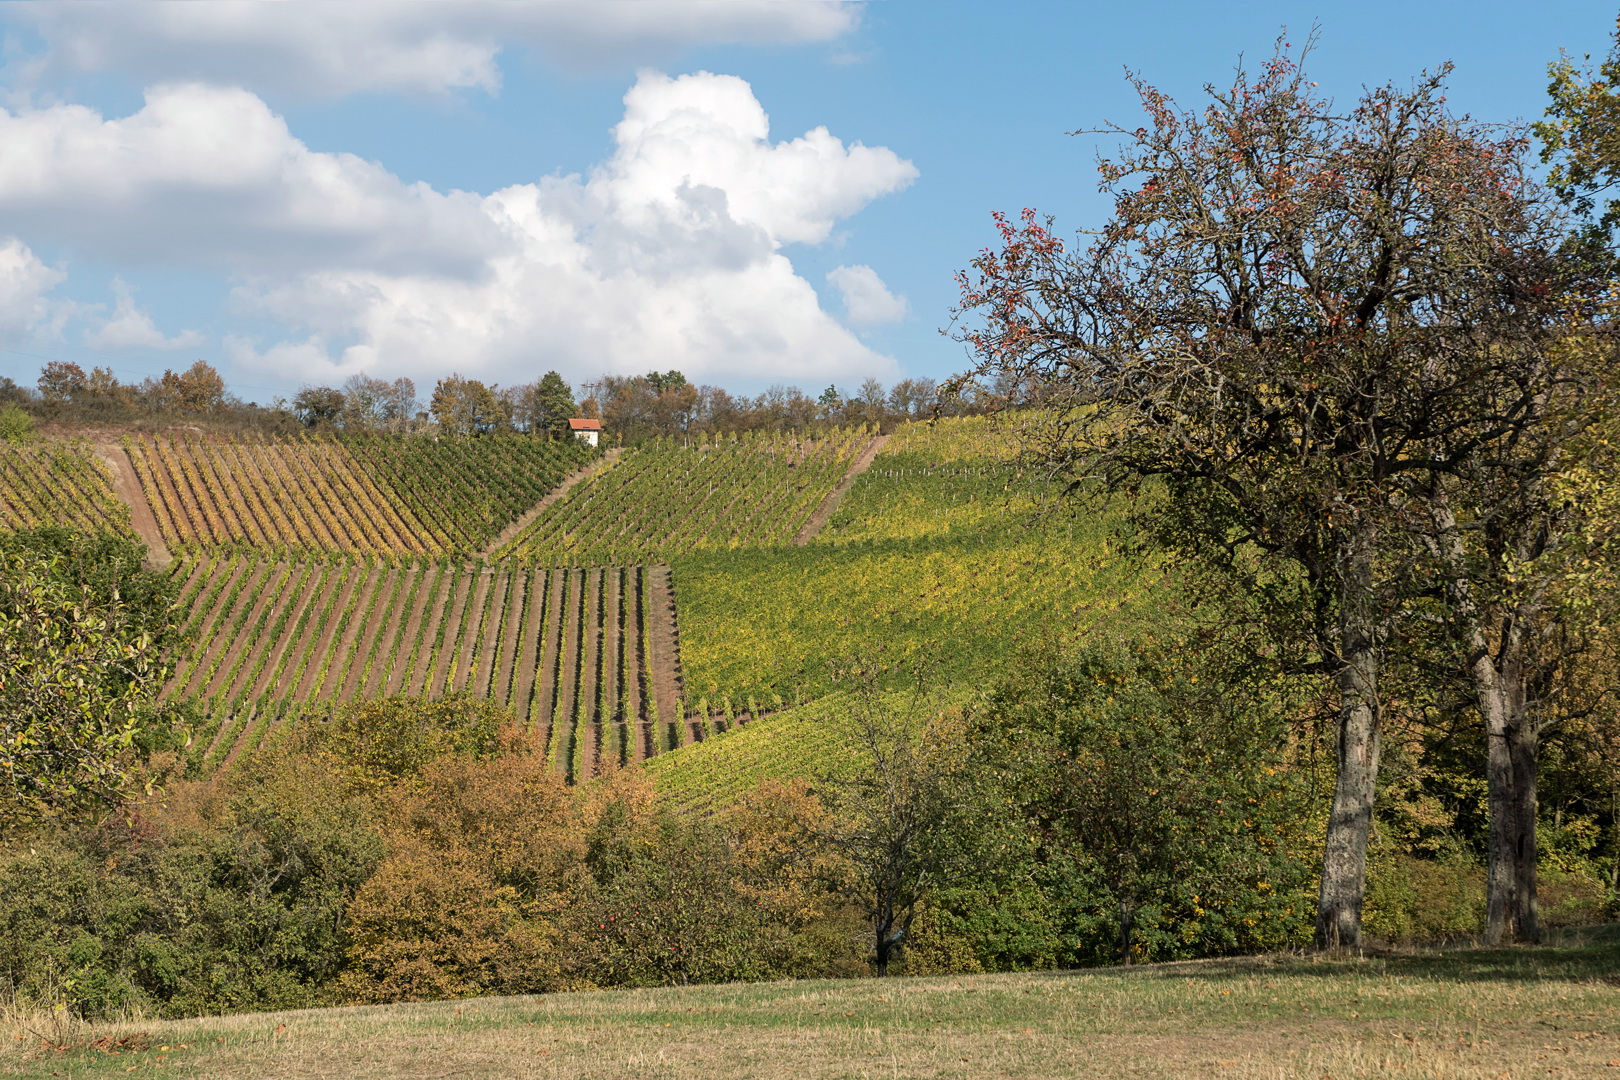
[[586, 431]]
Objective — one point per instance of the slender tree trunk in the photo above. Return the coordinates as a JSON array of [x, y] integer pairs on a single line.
[[884, 932], [1344, 856], [1498, 682], [1127, 930]]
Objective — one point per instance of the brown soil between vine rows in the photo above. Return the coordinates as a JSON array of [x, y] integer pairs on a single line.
[[562, 647], [664, 651]]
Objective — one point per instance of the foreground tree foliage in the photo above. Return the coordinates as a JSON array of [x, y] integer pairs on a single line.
[[1299, 320], [1173, 799], [79, 663]]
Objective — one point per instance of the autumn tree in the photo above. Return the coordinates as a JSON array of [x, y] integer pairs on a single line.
[[1295, 317], [199, 389], [467, 407], [61, 380]]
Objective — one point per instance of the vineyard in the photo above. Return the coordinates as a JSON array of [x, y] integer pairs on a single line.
[[57, 483], [715, 773], [937, 551], [322, 569], [585, 657], [365, 495], [670, 498]]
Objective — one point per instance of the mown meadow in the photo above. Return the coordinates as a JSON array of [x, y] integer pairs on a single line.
[[1448, 1014]]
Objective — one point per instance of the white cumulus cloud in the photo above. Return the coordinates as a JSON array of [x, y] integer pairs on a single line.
[[131, 328], [667, 255], [24, 282], [205, 176], [331, 48], [867, 300], [670, 253]]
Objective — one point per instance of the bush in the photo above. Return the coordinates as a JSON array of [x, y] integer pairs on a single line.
[[1164, 818], [231, 896], [387, 740], [16, 426], [677, 901], [1411, 899], [484, 859]]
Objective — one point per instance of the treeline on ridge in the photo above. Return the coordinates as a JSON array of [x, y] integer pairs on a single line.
[[633, 408]]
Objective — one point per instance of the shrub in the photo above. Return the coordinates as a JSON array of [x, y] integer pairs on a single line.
[[386, 740], [16, 426], [676, 900], [1411, 899], [484, 858], [230, 896]]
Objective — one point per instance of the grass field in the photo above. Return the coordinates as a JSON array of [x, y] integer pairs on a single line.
[[1462, 1014]]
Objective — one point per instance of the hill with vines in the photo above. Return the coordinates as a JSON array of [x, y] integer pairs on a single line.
[[687, 601]]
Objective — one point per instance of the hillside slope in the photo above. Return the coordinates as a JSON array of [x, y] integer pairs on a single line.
[[575, 653], [55, 482], [940, 552], [668, 498], [350, 494]]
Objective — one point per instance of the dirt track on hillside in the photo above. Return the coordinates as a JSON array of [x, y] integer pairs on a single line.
[[128, 488], [829, 505]]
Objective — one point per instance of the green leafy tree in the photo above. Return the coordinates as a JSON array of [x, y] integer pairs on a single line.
[[110, 566], [1580, 139], [554, 405], [1166, 793], [666, 380], [75, 672]]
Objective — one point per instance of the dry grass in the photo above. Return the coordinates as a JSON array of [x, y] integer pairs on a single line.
[[1439, 1015]]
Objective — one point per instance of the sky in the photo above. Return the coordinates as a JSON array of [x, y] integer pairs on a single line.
[[753, 192]]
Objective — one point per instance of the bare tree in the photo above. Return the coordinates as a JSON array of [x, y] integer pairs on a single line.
[[893, 804]]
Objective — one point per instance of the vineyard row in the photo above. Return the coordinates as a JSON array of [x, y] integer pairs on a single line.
[[670, 498], [57, 483], [583, 657], [371, 495]]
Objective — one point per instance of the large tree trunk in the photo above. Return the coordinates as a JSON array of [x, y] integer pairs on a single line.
[[1511, 912], [1498, 683], [1526, 743], [1344, 856]]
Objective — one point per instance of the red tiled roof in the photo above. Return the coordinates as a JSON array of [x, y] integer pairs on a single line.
[[577, 424]]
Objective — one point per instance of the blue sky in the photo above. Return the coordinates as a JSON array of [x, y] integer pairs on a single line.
[[298, 192]]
